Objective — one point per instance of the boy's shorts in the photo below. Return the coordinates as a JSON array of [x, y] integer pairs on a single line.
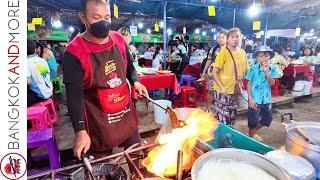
[[264, 111]]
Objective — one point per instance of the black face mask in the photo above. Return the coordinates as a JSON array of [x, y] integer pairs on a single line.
[[100, 29]]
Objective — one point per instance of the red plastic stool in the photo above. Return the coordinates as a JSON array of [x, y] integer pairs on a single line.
[[202, 94], [276, 88], [50, 105], [39, 117], [186, 91]]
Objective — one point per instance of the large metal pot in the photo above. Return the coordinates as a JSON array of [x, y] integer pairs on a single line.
[[240, 155], [298, 146]]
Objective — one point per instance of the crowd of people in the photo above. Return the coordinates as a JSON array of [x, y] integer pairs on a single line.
[[227, 65]]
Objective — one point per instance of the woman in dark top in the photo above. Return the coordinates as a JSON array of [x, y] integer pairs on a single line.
[[206, 70]]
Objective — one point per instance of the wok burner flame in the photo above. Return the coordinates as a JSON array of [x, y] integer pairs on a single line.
[[162, 160]]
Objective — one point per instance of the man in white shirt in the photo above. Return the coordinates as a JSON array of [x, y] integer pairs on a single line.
[[149, 54], [38, 72]]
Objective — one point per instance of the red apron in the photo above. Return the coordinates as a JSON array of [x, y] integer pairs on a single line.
[[110, 112]]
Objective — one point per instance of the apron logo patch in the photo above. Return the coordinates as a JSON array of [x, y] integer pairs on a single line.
[[118, 99], [110, 67], [114, 80]]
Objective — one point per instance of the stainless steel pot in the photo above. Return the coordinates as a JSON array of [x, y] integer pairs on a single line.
[[298, 146], [240, 155]]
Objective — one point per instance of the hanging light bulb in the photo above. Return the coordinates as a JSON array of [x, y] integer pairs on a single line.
[[197, 31], [140, 25], [254, 10]]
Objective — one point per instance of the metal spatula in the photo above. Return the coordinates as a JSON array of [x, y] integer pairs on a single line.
[[172, 115]]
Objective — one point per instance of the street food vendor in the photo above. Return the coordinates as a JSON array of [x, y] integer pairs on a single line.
[[98, 74]]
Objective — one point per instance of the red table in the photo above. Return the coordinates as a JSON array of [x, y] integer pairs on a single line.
[[294, 69], [160, 81]]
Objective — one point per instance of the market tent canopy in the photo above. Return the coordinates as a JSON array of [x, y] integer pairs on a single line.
[[284, 15]]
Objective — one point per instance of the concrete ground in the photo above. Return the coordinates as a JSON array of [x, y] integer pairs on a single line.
[[305, 110]]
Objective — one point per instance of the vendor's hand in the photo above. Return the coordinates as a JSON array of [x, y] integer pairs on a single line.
[[82, 144], [253, 105], [141, 89]]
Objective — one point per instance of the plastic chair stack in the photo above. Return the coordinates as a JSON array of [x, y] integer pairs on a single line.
[[51, 108], [39, 118], [42, 116], [45, 138]]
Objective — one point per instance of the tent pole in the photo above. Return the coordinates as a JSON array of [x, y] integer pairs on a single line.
[[266, 31], [234, 18], [164, 34]]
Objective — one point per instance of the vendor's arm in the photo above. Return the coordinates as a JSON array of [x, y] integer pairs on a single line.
[[73, 79], [131, 70]]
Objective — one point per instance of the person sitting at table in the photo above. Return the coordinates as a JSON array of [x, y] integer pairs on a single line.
[[279, 61], [175, 58], [149, 54], [44, 52], [38, 73], [308, 58], [157, 59], [193, 50], [291, 59]]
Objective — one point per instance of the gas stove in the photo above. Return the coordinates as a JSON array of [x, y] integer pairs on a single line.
[[111, 167]]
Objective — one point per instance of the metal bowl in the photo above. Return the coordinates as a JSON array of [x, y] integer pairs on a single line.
[[296, 145], [240, 155]]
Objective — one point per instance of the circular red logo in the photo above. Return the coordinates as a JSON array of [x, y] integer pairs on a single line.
[[13, 166]]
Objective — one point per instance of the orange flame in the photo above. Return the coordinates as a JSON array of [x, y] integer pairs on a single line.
[[162, 160]]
